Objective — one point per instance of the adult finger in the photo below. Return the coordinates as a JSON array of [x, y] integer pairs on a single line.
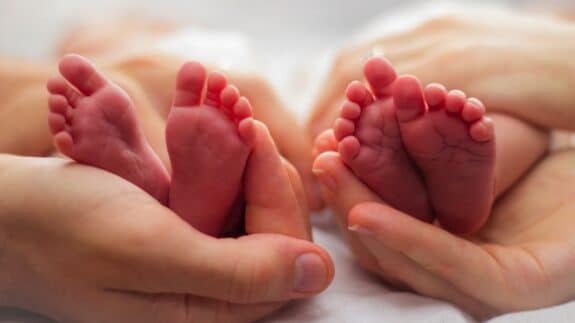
[[332, 173], [324, 142], [283, 126], [346, 197], [170, 257], [392, 265], [399, 270], [189, 309], [469, 267], [218, 311], [117, 306], [272, 205], [126, 240], [296, 184], [297, 149]]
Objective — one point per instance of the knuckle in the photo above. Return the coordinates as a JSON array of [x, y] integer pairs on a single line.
[[249, 281]]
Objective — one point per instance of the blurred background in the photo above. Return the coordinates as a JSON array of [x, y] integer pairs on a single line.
[[291, 42], [29, 28]]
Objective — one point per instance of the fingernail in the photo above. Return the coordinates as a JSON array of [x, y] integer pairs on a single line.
[[310, 273], [325, 179], [361, 230]]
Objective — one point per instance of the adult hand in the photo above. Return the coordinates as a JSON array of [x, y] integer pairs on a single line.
[[523, 259], [78, 244], [514, 63]]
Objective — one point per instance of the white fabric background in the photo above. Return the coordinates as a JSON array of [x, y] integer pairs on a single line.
[[295, 40]]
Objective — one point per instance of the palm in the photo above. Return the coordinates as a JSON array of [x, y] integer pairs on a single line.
[[522, 259], [531, 237], [119, 255]]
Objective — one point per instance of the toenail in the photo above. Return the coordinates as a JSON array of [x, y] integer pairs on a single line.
[[326, 180], [310, 273]]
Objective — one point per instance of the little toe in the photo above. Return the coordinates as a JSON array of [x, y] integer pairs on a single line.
[[482, 130], [64, 142], [81, 73], [380, 74], [357, 92], [436, 96], [348, 148], [229, 97], [473, 110], [343, 128], [190, 84], [216, 84], [408, 98], [455, 101], [350, 110]]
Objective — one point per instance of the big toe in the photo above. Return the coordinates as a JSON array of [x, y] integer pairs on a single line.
[[273, 205], [409, 99], [81, 73], [190, 84], [380, 74]]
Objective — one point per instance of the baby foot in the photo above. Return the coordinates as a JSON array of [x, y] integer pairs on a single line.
[[93, 122], [370, 142], [453, 144], [209, 140]]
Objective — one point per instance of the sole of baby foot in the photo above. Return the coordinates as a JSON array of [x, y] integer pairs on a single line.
[[93, 121], [209, 138], [370, 142], [453, 144]]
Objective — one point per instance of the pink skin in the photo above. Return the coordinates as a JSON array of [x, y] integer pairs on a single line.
[[370, 142], [453, 144], [209, 138], [94, 122]]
